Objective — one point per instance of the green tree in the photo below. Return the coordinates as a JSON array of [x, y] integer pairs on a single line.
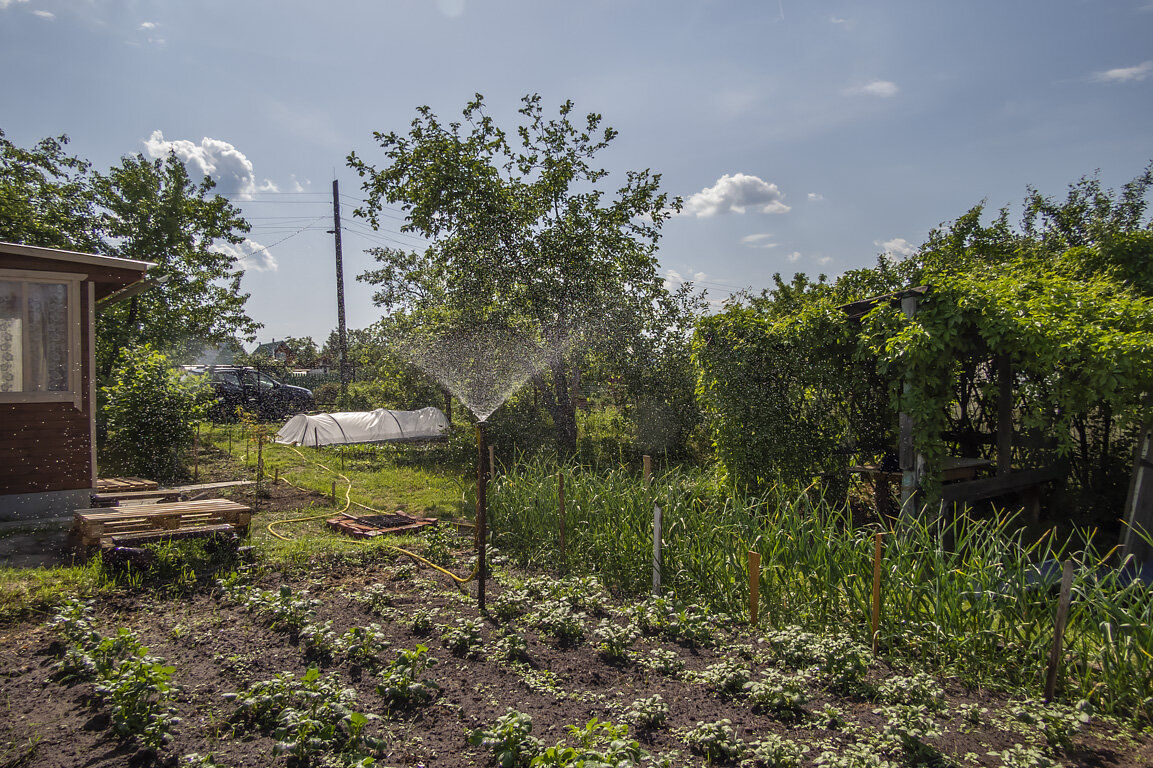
[[46, 197], [305, 352], [523, 233], [152, 211]]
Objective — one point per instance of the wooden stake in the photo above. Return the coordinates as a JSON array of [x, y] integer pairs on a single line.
[[334, 493], [481, 516], [491, 462], [648, 472], [876, 623], [754, 585], [196, 456], [656, 550], [259, 462], [560, 510], [1059, 630]]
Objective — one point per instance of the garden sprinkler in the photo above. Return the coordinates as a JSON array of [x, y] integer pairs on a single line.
[[481, 511]]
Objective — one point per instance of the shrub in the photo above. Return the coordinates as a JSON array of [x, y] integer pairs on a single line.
[[149, 413]]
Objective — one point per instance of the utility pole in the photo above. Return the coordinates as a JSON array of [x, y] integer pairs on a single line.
[[341, 333]]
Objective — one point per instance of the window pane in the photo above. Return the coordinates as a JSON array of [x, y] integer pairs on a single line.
[[11, 334], [47, 338]]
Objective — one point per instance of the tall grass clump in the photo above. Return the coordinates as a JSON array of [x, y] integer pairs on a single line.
[[970, 597]]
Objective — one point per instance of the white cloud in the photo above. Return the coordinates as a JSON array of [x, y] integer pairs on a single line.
[[898, 246], [249, 255], [816, 197], [148, 25], [6, 3], [758, 241], [44, 14], [794, 256], [882, 88], [734, 194], [226, 164], [1125, 74]]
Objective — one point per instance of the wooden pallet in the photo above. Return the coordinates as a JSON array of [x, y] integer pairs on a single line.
[[368, 526], [155, 522], [121, 484], [126, 498]]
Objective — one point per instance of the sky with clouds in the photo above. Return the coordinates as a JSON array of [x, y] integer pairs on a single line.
[[802, 136]]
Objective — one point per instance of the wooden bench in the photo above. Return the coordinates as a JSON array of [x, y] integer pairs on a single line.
[[157, 522], [1027, 482]]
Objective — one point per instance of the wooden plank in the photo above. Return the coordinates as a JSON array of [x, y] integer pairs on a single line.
[[212, 486], [125, 484], [146, 537], [990, 487], [123, 498]]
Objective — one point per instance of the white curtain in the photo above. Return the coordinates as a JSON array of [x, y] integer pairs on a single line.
[[34, 347], [11, 335]]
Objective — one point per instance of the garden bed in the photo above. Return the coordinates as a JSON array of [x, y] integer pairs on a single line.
[[580, 655]]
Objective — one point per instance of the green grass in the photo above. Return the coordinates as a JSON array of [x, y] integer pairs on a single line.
[[27, 592], [413, 479]]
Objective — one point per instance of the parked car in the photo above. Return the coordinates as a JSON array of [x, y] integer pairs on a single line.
[[254, 391]]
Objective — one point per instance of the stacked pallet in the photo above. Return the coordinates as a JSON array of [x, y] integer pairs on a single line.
[[142, 523], [124, 484]]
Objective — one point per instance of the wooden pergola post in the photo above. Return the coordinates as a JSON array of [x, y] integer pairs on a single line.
[[911, 461], [1139, 502], [1004, 415]]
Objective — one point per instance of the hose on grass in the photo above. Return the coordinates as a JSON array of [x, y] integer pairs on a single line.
[[344, 511]]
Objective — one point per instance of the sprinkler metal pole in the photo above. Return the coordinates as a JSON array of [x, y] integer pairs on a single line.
[[481, 512]]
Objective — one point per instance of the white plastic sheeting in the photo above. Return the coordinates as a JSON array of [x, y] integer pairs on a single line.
[[381, 425]]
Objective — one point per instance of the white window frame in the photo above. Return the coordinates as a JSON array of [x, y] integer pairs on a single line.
[[75, 391]]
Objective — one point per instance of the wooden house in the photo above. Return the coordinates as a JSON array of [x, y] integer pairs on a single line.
[[48, 304]]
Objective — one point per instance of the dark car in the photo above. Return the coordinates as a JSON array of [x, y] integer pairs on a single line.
[[255, 392]]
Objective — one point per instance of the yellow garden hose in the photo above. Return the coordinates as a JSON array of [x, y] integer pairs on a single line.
[[344, 511]]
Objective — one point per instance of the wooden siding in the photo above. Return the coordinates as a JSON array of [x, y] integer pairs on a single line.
[[48, 446], [44, 447]]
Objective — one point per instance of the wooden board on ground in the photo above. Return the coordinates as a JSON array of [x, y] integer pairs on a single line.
[[158, 521], [114, 484]]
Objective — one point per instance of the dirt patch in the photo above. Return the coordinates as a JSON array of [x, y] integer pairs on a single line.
[[218, 646]]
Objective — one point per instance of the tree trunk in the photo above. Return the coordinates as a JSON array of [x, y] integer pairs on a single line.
[[561, 406]]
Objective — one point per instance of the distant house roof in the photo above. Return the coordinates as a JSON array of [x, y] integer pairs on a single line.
[[273, 349]]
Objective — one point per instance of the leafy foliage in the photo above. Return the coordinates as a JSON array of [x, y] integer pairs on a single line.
[[134, 685], [151, 211], [151, 412], [793, 386], [523, 233], [401, 682], [308, 717], [509, 739]]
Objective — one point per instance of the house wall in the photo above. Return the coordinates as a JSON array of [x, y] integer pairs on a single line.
[[48, 446]]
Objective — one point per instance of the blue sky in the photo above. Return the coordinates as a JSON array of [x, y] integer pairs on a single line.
[[803, 136]]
